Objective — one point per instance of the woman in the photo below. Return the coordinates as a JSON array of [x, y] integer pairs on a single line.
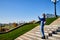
[[43, 20]]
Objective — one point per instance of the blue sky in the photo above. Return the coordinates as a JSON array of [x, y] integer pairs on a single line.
[[25, 10]]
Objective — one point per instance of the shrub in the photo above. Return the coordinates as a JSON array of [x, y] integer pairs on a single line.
[[15, 24]]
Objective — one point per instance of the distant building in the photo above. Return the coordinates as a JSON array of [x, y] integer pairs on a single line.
[[50, 15]]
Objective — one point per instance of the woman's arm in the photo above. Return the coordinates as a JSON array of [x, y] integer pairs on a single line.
[[39, 17]]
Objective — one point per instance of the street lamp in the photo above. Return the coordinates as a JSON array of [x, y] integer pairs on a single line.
[[55, 1]]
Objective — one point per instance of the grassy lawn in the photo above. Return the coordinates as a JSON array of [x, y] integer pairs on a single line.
[[13, 34], [50, 20], [21, 30]]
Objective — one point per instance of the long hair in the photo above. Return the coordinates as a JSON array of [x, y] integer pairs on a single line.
[[44, 15]]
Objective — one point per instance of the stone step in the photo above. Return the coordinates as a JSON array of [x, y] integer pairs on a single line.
[[22, 38], [56, 35], [31, 36], [35, 34], [54, 32], [48, 30], [54, 38], [58, 27], [51, 28], [38, 32], [58, 30], [19, 38]]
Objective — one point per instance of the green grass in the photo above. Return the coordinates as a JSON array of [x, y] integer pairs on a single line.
[[21, 30], [50, 20], [13, 34]]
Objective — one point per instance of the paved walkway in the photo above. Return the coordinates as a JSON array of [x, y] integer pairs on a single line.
[[35, 34]]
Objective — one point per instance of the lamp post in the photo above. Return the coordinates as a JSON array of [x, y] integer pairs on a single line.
[[55, 1]]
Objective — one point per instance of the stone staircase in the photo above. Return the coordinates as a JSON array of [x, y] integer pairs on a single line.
[[52, 32], [55, 36]]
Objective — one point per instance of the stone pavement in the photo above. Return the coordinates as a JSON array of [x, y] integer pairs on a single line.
[[35, 34]]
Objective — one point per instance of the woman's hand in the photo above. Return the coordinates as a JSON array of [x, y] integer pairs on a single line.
[[44, 22]]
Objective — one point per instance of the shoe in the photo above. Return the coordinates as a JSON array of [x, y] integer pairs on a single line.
[[43, 37]]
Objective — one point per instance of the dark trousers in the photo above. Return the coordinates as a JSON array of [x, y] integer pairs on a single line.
[[42, 29]]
